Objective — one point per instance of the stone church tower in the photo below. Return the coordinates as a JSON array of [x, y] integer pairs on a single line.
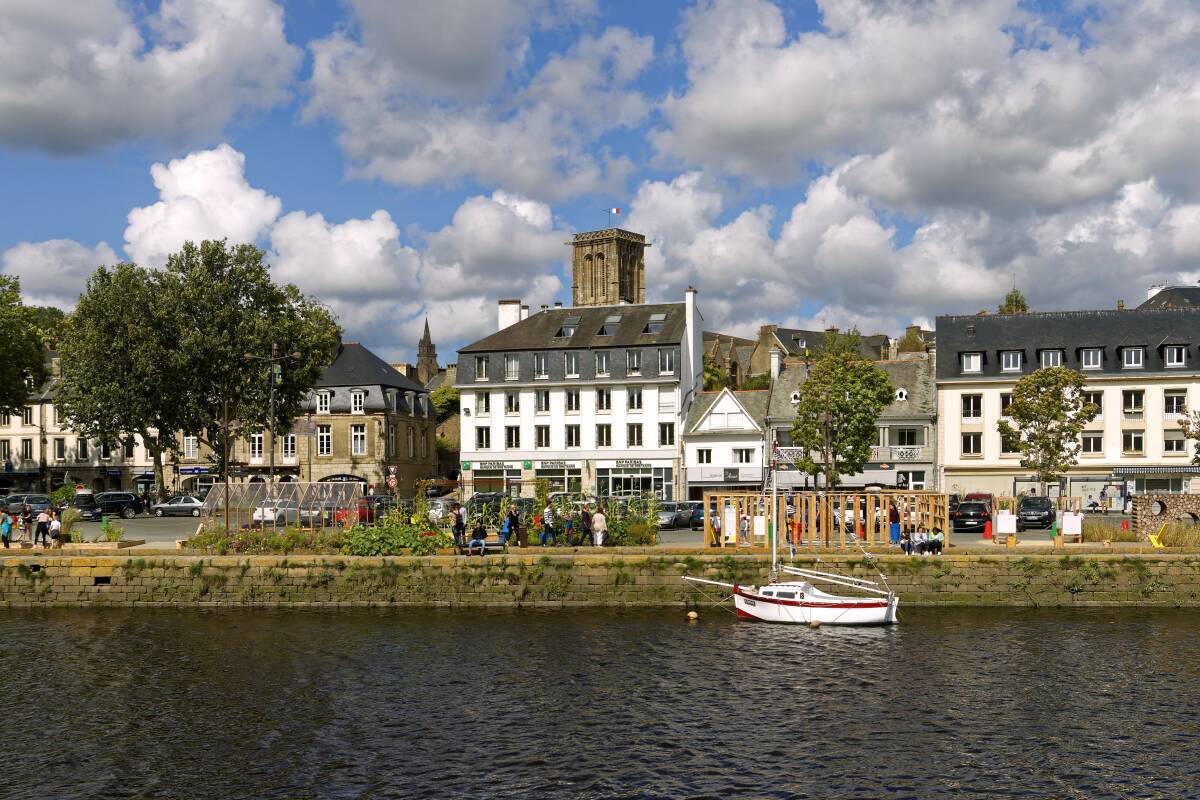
[[608, 268], [427, 366]]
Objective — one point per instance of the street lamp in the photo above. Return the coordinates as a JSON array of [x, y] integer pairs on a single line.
[[274, 376]]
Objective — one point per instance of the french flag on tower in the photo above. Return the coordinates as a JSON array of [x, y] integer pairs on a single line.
[[616, 211]]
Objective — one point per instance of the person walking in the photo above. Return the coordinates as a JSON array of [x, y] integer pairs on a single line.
[[26, 520], [599, 526], [745, 529], [55, 529], [6, 525], [42, 531], [514, 525], [548, 531], [585, 524], [459, 524]]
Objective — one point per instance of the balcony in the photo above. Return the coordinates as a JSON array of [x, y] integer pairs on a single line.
[[898, 452]]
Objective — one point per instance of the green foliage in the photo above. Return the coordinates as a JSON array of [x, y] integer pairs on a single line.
[[1048, 413], [836, 343], [48, 321], [1096, 531], [762, 381], [835, 418], [112, 531], [445, 402], [71, 529], [1190, 425], [283, 541], [62, 494], [21, 362], [715, 378], [911, 341], [1014, 303], [394, 535], [541, 493], [1180, 534]]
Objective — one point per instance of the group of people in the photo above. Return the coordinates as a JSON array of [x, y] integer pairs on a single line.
[[593, 528], [922, 542], [45, 525]]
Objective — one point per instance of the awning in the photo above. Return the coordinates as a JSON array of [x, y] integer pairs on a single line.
[[1182, 469]]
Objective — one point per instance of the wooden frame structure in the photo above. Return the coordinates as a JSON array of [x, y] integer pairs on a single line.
[[822, 519]]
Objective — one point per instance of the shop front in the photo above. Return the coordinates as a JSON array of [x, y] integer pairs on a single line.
[[632, 477], [197, 481], [492, 476], [560, 476]]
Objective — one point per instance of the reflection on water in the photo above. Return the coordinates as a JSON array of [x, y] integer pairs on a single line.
[[423, 703]]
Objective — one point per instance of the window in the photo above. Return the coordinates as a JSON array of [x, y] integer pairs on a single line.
[[635, 398], [704, 456], [1097, 399], [972, 406], [81, 449], [60, 449], [27, 415], [424, 445], [481, 368], [391, 440], [633, 361], [609, 328], [256, 445], [5, 450], [1010, 360], [603, 399], [483, 438], [512, 367], [322, 402], [483, 403], [901, 396], [191, 446], [666, 362], [906, 437], [541, 365], [1176, 355], [541, 436], [972, 362], [358, 440], [571, 362], [568, 327], [1131, 357], [572, 396], [633, 434], [602, 363], [1174, 444], [542, 397], [655, 324], [572, 436], [410, 435], [512, 402], [1005, 402], [324, 440], [972, 444], [1093, 443], [512, 437], [1131, 404], [604, 436], [358, 400], [1009, 444], [743, 455], [5, 420], [1092, 357], [127, 448], [1052, 358], [666, 434], [26, 449], [1175, 401], [1131, 442], [288, 444]]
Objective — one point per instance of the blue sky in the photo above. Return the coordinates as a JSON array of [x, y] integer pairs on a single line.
[[846, 162]]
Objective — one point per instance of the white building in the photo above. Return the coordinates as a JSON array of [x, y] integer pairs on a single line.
[[724, 442]]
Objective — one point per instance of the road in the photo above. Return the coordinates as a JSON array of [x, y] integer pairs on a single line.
[[157, 531]]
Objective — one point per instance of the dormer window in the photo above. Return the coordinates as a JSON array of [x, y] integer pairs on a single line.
[[323, 402], [795, 398], [1092, 358], [609, 328], [1010, 360], [1133, 357], [655, 325], [901, 395], [1051, 358], [972, 362], [358, 400], [570, 324], [481, 368], [1175, 355]]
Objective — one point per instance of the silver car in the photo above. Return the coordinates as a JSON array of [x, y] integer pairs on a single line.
[[182, 506], [666, 514], [277, 512]]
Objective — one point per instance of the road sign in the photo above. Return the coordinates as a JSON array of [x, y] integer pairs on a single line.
[[391, 481]]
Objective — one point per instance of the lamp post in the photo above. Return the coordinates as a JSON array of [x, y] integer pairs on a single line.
[[274, 376]]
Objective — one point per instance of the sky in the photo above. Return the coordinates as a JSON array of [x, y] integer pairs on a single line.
[[869, 163]]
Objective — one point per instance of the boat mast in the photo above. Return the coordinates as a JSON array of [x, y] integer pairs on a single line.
[[774, 522]]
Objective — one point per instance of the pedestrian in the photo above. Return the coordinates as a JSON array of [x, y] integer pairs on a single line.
[[146, 501], [6, 525], [745, 529], [585, 524], [716, 527], [599, 526], [42, 531], [548, 531], [894, 523], [459, 524], [514, 525], [26, 520], [55, 529]]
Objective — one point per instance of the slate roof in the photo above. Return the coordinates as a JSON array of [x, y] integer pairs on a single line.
[[355, 365], [873, 346], [754, 401], [1174, 297], [1072, 331], [537, 332], [914, 375]]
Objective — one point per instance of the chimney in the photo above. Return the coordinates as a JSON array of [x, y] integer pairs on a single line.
[[832, 329], [776, 362], [509, 314], [524, 311], [1120, 305], [1154, 289], [545, 307], [557, 304]]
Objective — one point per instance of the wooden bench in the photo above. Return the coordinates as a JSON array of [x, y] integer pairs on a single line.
[[492, 542]]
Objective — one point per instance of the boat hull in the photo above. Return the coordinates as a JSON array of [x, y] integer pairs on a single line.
[[807, 608]]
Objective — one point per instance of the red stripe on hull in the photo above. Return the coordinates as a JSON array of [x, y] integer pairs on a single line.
[[746, 615], [803, 604]]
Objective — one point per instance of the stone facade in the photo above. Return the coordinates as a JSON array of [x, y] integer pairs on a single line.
[[1150, 511], [608, 268]]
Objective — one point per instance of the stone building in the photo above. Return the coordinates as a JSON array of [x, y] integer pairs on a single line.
[[731, 354], [609, 268], [797, 343]]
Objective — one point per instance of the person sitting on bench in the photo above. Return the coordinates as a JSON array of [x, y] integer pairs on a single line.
[[936, 540], [921, 540], [478, 537], [906, 543]]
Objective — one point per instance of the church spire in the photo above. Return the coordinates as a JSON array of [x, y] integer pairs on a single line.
[[427, 365]]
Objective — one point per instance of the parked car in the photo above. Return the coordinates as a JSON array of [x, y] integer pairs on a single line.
[[685, 513], [184, 505], [971, 515], [979, 497], [318, 513], [666, 514], [15, 501], [276, 512], [127, 504], [440, 487], [1035, 512], [85, 504], [954, 501], [37, 502]]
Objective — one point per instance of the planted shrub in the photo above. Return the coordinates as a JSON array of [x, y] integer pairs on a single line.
[[394, 535]]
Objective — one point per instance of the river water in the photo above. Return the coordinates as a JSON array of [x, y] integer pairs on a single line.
[[595, 704]]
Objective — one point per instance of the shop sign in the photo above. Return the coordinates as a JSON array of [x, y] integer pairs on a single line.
[[193, 470], [732, 475], [632, 462], [466, 466], [112, 473], [558, 465], [494, 465], [527, 465]]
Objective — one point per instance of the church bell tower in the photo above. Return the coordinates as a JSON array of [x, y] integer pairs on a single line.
[[608, 268]]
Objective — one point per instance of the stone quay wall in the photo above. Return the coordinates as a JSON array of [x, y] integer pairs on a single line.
[[610, 579]]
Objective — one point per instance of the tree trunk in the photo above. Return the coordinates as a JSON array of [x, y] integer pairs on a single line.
[[154, 447]]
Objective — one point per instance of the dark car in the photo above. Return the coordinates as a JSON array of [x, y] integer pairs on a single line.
[[439, 487], [954, 501], [1035, 512], [85, 504], [125, 504], [971, 516]]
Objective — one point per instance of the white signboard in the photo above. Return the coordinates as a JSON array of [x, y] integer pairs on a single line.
[[729, 524], [760, 528], [1006, 523]]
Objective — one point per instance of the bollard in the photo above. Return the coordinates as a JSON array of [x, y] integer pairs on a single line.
[[987, 529], [1124, 524], [1010, 541]]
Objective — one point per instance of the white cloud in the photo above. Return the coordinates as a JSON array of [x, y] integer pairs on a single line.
[[53, 272], [86, 74], [204, 195]]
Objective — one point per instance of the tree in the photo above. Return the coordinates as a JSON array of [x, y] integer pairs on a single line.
[[911, 341], [445, 402], [49, 321], [22, 365], [834, 342], [1014, 303], [1048, 412], [1190, 425], [835, 418], [760, 381], [714, 377]]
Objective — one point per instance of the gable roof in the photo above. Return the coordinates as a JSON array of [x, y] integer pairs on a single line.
[[538, 331], [914, 375], [753, 402], [1174, 297], [355, 365], [873, 346]]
